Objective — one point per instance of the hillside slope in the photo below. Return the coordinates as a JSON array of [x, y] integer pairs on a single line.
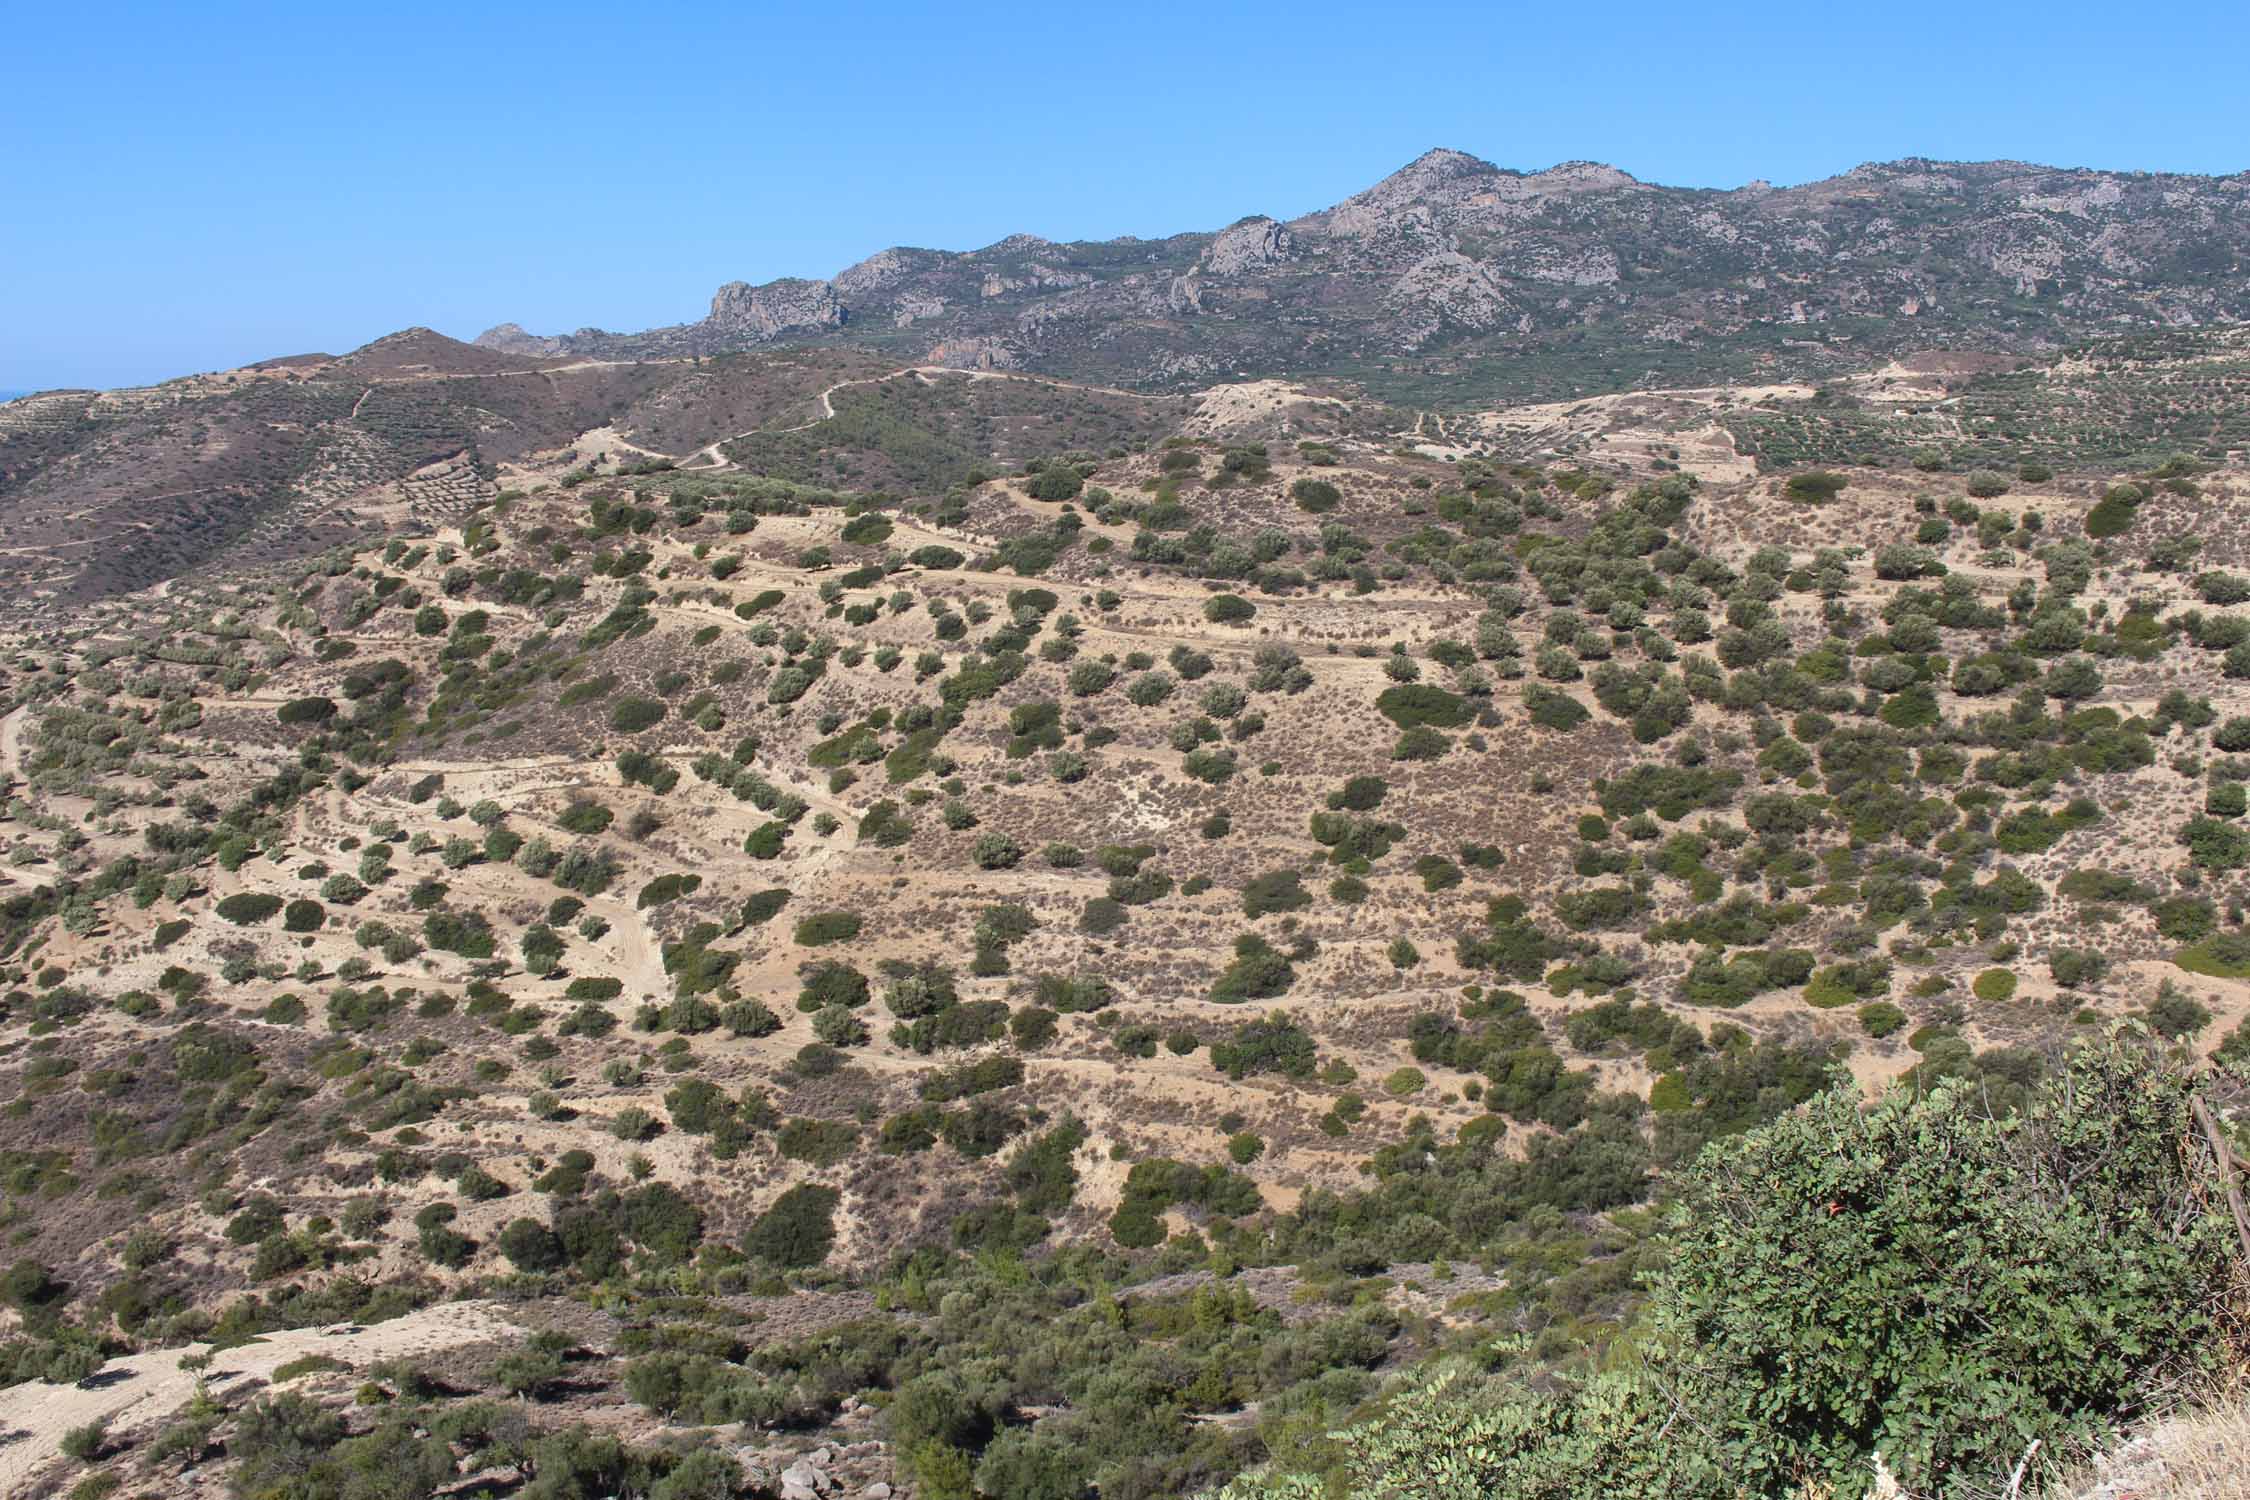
[[1015, 934]]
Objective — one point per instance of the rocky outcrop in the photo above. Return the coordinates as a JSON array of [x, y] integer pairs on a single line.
[[846, 1470], [916, 307], [511, 338], [1246, 245], [1448, 288], [975, 354], [880, 270], [759, 313]]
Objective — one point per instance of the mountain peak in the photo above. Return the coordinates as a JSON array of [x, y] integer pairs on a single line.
[[1439, 164], [1585, 176], [1447, 159]]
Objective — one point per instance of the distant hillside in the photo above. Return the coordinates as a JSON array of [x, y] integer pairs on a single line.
[[291, 456], [1454, 281]]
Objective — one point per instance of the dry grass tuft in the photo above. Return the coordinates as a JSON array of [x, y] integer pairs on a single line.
[[2201, 1454]]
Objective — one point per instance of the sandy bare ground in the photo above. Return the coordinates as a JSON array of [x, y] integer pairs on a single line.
[[11, 741], [1224, 407], [138, 1393]]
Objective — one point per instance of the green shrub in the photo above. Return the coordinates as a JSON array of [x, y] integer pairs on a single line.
[[1411, 705], [1551, 708], [1228, 609], [1057, 481], [1404, 1083], [665, 889], [868, 530], [632, 715], [465, 933], [1276, 891], [2225, 955], [827, 927], [1839, 1280], [996, 851], [247, 908], [1994, 986], [2075, 968], [2186, 919], [587, 690], [1149, 689], [797, 1230], [763, 907], [1881, 1018], [585, 817], [820, 1142], [2114, 513], [1841, 984], [1814, 487], [1274, 1043], [2176, 1017]]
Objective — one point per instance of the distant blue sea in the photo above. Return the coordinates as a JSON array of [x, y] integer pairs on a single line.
[[11, 395]]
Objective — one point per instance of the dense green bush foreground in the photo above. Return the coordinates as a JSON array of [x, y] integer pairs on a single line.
[[1917, 1280]]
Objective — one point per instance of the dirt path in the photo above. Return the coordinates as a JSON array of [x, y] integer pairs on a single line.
[[11, 742], [142, 1391]]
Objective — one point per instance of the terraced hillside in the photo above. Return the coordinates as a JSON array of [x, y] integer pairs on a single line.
[[985, 935]]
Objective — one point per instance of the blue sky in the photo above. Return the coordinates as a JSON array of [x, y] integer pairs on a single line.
[[192, 187]]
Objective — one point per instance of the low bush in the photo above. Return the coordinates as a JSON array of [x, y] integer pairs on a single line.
[[827, 927], [247, 908]]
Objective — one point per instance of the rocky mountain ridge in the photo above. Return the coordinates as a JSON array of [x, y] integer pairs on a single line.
[[1452, 258]]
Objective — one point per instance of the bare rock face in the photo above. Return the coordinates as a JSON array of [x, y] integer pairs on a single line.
[[513, 338], [914, 307], [1433, 174], [975, 354], [1582, 177], [878, 271], [1246, 245], [1447, 288], [763, 312]]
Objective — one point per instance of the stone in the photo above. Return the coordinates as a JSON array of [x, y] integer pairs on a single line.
[[1246, 245], [778, 307]]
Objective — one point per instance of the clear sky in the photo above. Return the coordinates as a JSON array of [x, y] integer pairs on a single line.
[[194, 186]]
